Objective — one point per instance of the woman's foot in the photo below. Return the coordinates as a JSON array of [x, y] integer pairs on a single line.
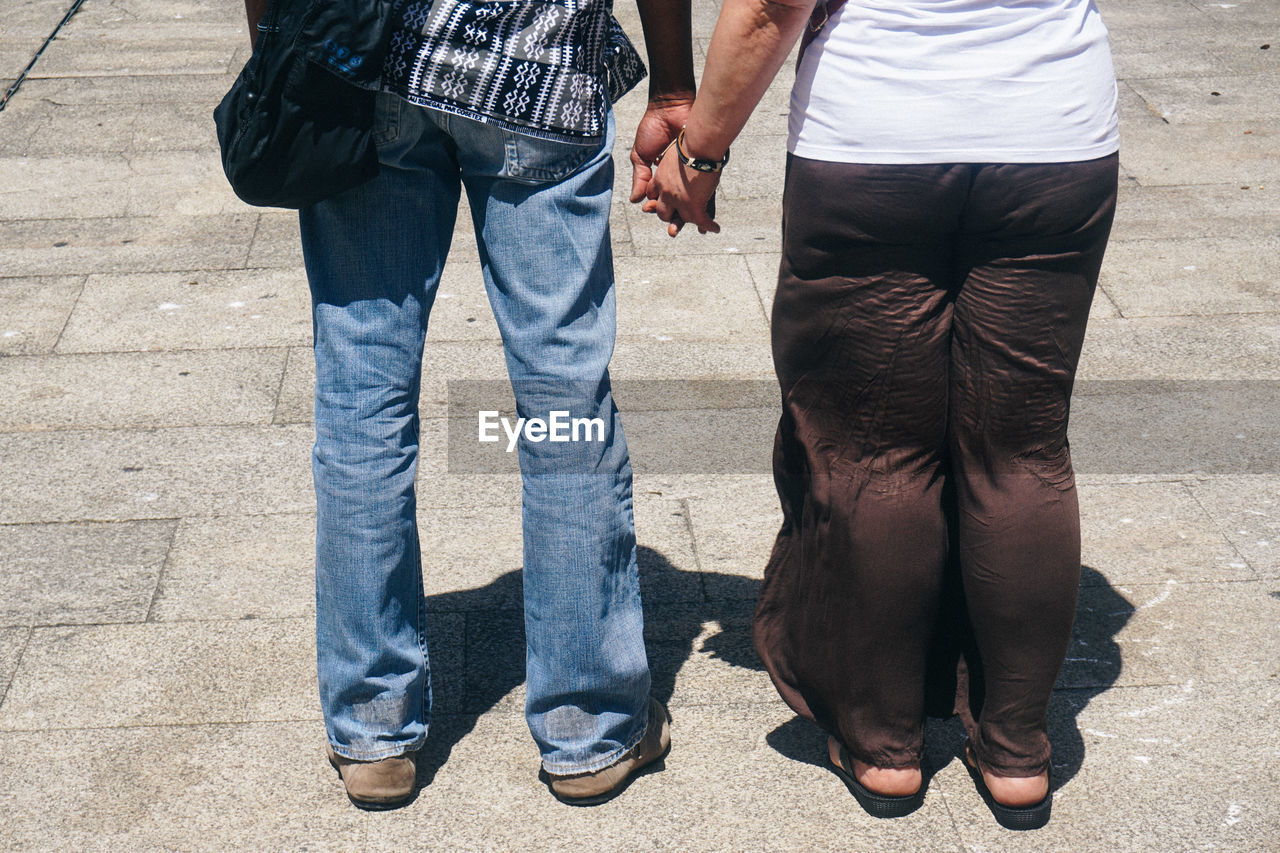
[[1016, 802], [1013, 791], [886, 781]]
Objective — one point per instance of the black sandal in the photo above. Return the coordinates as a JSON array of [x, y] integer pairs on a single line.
[[1017, 818], [876, 805]]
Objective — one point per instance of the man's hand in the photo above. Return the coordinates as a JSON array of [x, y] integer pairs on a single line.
[[662, 120]]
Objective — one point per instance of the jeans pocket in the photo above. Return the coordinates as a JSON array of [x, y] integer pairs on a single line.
[[532, 160], [386, 118]]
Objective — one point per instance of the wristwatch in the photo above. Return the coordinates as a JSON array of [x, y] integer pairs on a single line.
[[700, 164]]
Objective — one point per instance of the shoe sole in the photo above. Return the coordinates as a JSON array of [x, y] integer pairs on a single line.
[[657, 764]]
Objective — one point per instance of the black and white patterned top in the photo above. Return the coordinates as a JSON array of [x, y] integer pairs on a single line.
[[546, 68]]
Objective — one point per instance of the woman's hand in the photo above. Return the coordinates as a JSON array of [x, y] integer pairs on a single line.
[[678, 195]]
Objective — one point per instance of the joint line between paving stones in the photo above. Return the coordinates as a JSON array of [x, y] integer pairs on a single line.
[[84, 282], [4, 524], [17, 84], [162, 574], [1222, 531], [755, 285], [208, 724], [17, 663], [253, 238], [284, 373], [687, 514]]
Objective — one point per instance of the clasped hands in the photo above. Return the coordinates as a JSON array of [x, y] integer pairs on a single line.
[[675, 193]]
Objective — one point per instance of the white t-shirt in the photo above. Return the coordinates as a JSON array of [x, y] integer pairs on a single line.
[[956, 81]]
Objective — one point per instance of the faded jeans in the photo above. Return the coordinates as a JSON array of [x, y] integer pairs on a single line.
[[374, 256]]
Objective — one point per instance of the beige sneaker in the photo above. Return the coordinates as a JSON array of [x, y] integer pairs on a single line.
[[383, 784], [589, 789]]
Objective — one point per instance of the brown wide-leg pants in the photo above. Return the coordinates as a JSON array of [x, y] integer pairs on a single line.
[[926, 330]]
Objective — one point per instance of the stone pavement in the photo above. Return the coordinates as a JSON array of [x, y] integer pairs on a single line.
[[156, 683]]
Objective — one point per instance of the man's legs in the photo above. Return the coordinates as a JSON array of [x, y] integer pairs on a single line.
[[541, 212], [373, 257]]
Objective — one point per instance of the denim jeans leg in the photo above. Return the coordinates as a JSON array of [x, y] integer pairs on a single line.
[[373, 257], [541, 214]]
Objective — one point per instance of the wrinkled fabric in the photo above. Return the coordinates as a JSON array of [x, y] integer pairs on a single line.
[[926, 331]]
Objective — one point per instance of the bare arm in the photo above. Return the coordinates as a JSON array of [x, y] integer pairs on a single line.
[[750, 43], [254, 9], [668, 40]]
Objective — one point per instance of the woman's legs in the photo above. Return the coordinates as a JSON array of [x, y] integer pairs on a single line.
[[1031, 247], [861, 344]]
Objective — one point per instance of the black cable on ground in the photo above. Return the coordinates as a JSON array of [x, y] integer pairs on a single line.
[[17, 84]]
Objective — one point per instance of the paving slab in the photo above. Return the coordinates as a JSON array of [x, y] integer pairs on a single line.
[[85, 50], [1197, 276], [169, 787], [734, 528], [120, 475], [1247, 511], [248, 670], [123, 675], [34, 18], [125, 244], [138, 91], [652, 358], [1230, 98], [1231, 210], [119, 790], [1229, 347], [33, 312], [636, 358], [690, 298], [190, 310], [748, 226], [1181, 48], [80, 573], [1152, 533], [1241, 151], [160, 389], [213, 562], [1220, 427], [1168, 633], [277, 242], [1260, 14], [471, 558], [1165, 768], [101, 129], [135, 184]]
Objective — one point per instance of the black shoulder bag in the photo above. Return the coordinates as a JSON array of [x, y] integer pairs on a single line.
[[297, 125]]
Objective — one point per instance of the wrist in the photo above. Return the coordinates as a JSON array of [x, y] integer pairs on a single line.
[[662, 98], [699, 147], [696, 163]]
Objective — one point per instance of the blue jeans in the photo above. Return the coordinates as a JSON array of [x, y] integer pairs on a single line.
[[373, 258]]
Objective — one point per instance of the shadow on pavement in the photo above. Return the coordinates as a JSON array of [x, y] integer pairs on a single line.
[[1093, 666], [682, 613], [491, 649]]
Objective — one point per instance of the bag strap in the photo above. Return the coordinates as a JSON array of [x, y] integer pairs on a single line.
[[817, 20]]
